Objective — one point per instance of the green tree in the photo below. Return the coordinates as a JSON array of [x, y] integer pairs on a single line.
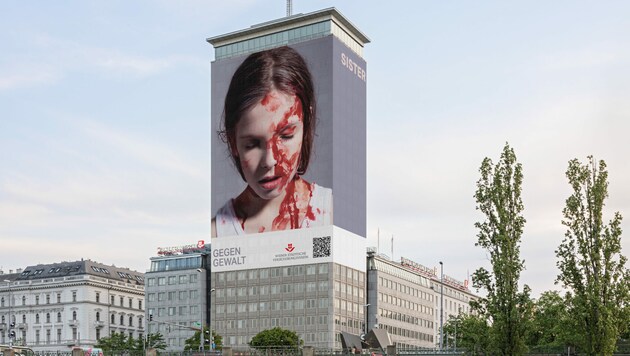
[[155, 341], [471, 332], [498, 197], [114, 342], [590, 261], [549, 326], [192, 343], [276, 337], [120, 341]]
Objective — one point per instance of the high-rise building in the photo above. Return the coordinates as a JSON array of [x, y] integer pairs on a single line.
[[288, 98], [60, 305], [177, 294]]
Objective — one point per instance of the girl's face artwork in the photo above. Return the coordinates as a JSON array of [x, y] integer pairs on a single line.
[[268, 143]]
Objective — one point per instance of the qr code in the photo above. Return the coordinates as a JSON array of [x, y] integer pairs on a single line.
[[321, 247]]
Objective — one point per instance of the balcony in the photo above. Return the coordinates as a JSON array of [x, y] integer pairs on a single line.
[[22, 326], [99, 323], [3, 326], [73, 322]]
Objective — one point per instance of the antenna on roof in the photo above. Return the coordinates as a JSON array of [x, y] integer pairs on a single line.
[[289, 8]]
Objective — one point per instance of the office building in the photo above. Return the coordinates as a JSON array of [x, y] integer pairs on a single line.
[[176, 293], [305, 271]]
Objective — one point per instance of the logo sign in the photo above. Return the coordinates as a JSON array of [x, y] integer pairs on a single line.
[[179, 250], [426, 271], [290, 247]]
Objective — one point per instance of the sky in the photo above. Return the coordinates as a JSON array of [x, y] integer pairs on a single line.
[[105, 122]]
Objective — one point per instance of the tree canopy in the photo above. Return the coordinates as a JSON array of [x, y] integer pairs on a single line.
[[120, 341], [498, 197], [590, 262], [276, 337], [192, 343]]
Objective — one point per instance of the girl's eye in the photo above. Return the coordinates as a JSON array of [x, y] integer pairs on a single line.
[[287, 133], [251, 144], [286, 137]]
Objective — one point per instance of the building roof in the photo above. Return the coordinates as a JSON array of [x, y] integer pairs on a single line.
[[291, 21], [74, 268]]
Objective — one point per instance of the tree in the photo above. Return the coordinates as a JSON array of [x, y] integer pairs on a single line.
[[114, 342], [153, 341], [498, 197], [192, 343], [549, 326], [120, 341], [276, 337], [471, 332], [590, 261]]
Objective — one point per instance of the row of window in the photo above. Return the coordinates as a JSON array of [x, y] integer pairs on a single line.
[[349, 273], [173, 264], [403, 288], [47, 298], [172, 311], [394, 330], [405, 318], [37, 319], [299, 304], [273, 272], [172, 296], [349, 322], [181, 279], [263, 323], [404, 303], [273, 289], [121, 301]]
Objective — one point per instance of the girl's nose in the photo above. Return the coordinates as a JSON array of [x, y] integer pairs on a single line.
[[269, 160]]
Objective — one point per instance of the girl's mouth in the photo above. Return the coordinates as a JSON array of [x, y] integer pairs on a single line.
[[270, 183]]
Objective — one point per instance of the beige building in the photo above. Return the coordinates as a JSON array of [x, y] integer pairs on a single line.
[[60, 305]]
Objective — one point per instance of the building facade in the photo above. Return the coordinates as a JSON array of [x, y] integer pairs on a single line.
[[309, 278], [177, 294], [60, 305], [404, 298]]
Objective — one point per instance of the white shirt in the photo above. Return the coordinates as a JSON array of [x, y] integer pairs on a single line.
[[228, 224]]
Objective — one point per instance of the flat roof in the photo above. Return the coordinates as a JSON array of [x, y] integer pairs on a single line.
[[295, 20]]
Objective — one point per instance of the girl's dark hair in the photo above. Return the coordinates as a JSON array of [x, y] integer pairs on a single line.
[[279, 68]]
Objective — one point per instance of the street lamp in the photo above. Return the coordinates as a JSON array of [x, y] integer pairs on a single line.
[[210, 321], [201, 338], [441, 301], [11, 325], [365, 326]]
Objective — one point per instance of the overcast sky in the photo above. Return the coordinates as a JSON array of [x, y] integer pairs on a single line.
[[104, 121]]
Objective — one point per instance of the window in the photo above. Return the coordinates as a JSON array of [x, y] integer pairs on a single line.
[[140, 304], [58, 336], [58, 317], [98, 334], [183, 279], [183, 295], [24, 319], [171, 311], [194, 294], [58, 298], [36, 319], [37, 337], [98, 297], [47, 298], [2, 302], [23, 300], [130, 320], [98, 316], [161, 296], [112, 300], [172, 279], [37, 300], [122, 301], [74, 333], [47, 318], [74, 315], [183, 310], [122, 320], [192, 278], [151, 282], [151, 297]]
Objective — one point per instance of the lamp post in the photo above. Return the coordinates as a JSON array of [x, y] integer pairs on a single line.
[[441, 302], [365, 326], [11, 326], [210, 320], [201, 338]]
